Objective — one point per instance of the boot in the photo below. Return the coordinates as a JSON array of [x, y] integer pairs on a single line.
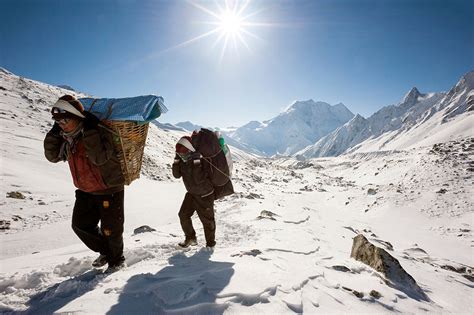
[[188, 242], [100, 261], [116, 265]]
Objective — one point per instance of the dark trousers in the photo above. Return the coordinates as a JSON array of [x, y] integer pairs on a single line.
[[108, 209], [205, 210]]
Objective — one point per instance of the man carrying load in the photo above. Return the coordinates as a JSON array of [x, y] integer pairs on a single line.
[[205, 164], [78, 138]]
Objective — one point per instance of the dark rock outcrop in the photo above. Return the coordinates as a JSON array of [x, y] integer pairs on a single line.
[[383, 262]]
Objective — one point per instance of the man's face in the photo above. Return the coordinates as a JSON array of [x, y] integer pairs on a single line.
[[68, 124]]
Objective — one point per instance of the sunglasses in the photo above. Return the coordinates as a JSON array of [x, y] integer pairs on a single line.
[[63, 121], [56, 110]]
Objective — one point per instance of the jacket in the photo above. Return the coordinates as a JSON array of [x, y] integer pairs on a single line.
[[93, 163], [195, 175]]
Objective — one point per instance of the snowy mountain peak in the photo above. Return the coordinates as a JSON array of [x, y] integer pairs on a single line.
[[357, 118], [189, 126], [300, 125], [252, 125], [311, 105], [467, 80], [412, 96], [310, 108]]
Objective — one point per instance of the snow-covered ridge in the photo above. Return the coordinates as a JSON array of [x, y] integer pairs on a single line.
[[409, 123], [301, 124]]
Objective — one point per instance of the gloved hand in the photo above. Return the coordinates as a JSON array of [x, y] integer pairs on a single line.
[[90, 120], [195, 155], [56, 130]]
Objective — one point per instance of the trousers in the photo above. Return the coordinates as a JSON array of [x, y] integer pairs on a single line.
[[205, 210], [91, 209]]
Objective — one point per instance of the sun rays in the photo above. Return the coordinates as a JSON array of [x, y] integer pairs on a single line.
[[231, 26]]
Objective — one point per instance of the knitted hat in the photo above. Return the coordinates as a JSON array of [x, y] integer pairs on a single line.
[[67, 107], [184, 145]]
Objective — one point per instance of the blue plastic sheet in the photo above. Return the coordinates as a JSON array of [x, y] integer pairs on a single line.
[[141, 109]]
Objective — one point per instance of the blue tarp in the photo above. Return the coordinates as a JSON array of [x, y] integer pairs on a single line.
[[141, 109]]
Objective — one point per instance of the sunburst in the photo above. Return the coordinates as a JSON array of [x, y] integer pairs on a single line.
[[231, 24]]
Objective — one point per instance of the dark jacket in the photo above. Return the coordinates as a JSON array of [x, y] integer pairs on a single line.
[[195, 175], [93, 163]]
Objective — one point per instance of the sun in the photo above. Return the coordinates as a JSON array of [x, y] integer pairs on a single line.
[[230, 23]]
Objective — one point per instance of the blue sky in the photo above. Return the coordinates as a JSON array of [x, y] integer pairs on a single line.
[[366, 54]]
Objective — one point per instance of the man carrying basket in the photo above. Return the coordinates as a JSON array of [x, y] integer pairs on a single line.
[[78, 138]]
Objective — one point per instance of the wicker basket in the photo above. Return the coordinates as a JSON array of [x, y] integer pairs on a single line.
[[129, 143]]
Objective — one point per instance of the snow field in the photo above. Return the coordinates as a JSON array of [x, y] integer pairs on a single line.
[[283, 240]]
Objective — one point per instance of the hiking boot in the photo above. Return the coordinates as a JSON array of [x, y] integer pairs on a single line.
[[100, 261], [115, 266], [211, 244], [188, 242]]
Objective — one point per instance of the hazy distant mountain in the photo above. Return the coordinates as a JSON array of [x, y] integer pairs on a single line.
[[412, 118], [189, 126], [303, 123]]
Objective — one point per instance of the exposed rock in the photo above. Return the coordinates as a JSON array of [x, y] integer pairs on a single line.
[[371, 191], [4, 225], [16, 217], [253, 196], [256, 178], [453, 269], [143, 229], [15, 195], [356, 293], [341, 268], [302, 165], [383, 262], [253, 252], [306, 188], [375, 294], [265, 214], [441, 191]]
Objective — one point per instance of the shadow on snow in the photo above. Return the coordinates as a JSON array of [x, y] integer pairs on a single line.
[[188, 285]]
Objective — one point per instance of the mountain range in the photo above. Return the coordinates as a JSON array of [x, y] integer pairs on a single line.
[[309, 129], [413, 121]]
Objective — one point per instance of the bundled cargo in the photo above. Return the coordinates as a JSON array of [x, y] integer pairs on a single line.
[[214, 150], [128, 119]]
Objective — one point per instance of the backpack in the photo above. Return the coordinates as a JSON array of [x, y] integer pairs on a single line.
[[217, 154]]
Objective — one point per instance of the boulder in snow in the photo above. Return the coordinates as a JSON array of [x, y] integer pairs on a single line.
[[383, 262], [143, 229], [15, 195], [371, 191]]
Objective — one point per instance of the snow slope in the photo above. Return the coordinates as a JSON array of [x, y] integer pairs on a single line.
[[418, 120], [303, 123], [283, 240]]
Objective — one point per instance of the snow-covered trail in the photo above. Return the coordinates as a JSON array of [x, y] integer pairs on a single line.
[[284, 243]]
